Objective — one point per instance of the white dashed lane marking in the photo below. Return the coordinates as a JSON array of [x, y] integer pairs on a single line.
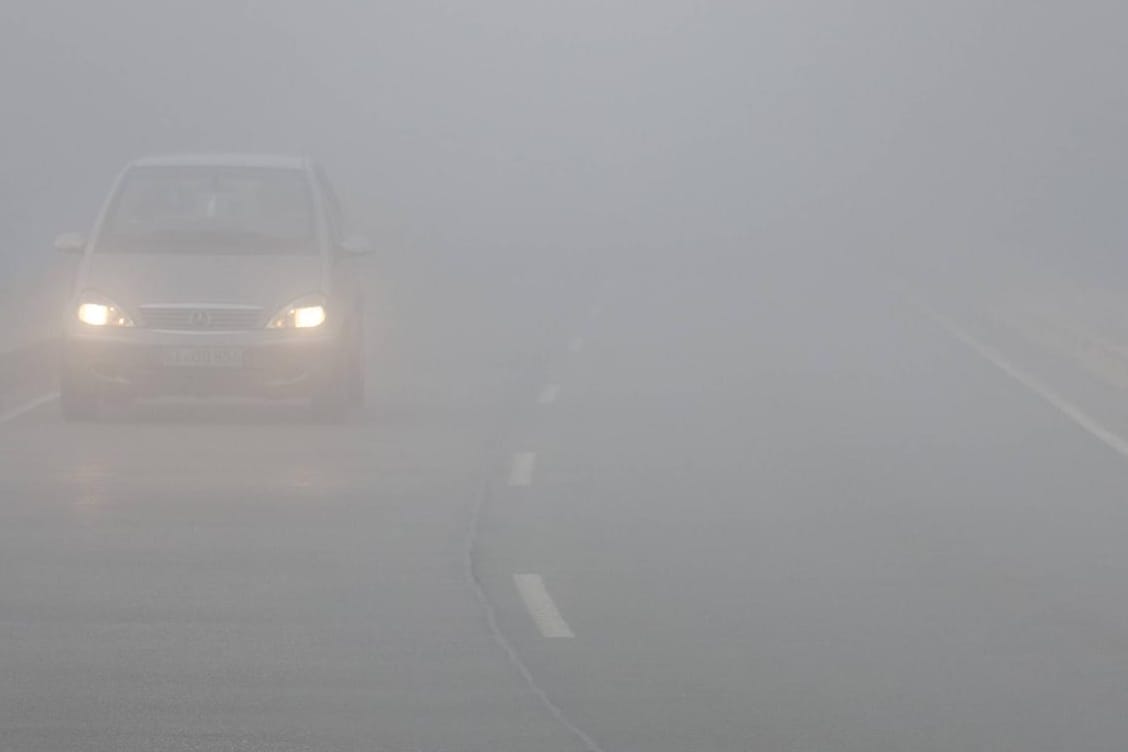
[[541, 607], [549, 394], [521, 470]]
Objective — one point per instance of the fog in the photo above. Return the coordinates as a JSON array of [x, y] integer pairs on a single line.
[[686, 375], [543, 126]]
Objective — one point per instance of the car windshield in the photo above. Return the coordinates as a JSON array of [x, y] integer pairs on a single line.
[[210, 210]]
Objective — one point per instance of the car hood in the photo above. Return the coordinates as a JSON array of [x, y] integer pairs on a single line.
[[135, 279]]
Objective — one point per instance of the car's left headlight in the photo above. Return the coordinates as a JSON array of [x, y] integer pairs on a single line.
[[307, 313], [97, 311]]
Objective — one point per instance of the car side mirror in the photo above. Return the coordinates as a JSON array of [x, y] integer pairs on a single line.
[[357, 245], [70, 242]]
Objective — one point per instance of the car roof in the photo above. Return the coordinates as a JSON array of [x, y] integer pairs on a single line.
[[274, 161]]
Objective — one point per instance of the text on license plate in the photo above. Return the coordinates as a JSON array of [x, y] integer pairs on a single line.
[[202, 357]]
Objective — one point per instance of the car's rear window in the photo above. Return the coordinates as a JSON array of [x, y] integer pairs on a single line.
[[210, 210]]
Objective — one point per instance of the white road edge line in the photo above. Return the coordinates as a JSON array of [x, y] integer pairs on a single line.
[[1090, 424], [521, 471], [16, 412], [549, 394], [576, 344], [541, 606]]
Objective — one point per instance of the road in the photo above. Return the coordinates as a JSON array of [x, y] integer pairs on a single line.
[[682, 507]]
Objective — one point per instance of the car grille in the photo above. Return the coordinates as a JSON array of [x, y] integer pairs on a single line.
[[203, 318]]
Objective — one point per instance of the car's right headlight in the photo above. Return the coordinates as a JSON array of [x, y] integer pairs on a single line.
[[306, 313], [96, 311]]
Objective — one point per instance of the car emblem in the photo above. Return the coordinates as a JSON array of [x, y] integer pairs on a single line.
[[201, 319]]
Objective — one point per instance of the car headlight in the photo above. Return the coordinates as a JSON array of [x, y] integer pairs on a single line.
[[307, 313], [99, 312]]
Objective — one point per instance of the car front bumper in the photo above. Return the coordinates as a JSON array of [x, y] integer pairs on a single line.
[[136, 363]]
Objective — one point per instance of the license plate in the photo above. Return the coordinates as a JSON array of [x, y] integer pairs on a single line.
[[202, 357]]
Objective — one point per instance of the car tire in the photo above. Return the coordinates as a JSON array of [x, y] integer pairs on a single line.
[[357, 367], [79, 399], [329, 402]]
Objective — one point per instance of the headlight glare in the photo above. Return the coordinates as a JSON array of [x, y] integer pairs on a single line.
[[94, 314], [102, 314], [302, 314], [308, 317]]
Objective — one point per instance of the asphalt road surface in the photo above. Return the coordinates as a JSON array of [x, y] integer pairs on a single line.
[[665, 509]]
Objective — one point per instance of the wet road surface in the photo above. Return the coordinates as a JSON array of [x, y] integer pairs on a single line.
[[672, 509]]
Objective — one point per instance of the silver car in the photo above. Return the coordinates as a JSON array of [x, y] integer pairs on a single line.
[[216, 275]]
